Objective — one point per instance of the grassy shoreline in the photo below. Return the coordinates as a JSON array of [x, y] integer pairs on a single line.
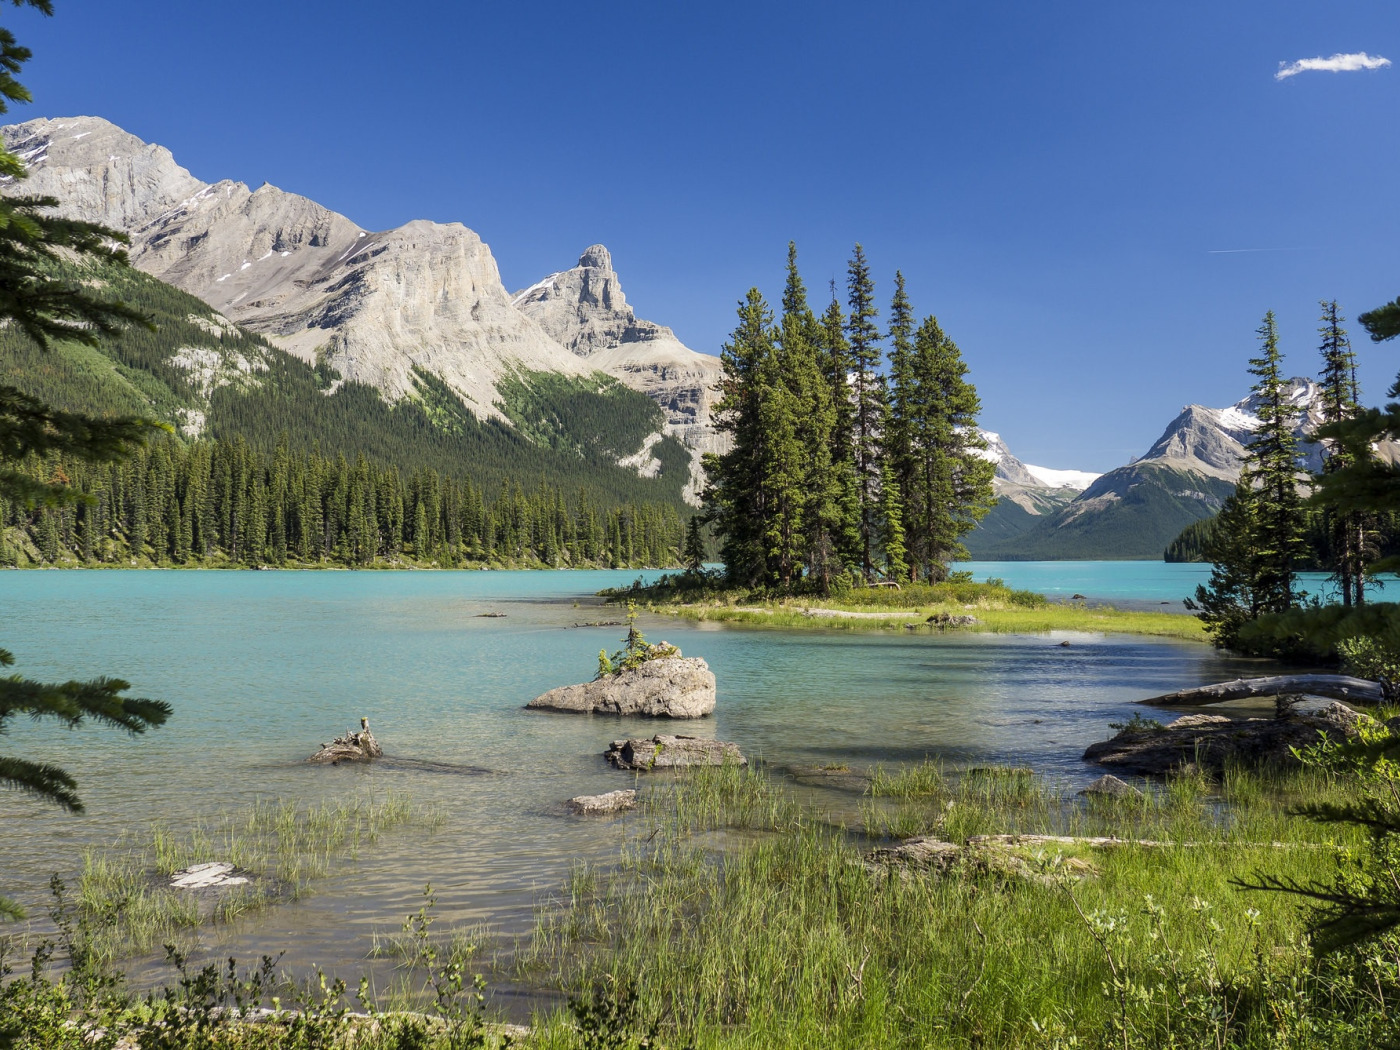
[[991, 606]]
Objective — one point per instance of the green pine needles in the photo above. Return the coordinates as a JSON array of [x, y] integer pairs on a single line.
[[836, 469], [635, 651]]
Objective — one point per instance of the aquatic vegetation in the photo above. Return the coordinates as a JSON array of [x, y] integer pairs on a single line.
[[278, 846]]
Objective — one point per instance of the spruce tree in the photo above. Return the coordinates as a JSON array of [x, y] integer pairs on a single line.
[[1350, 538], [950, 489], [868, 392], [1258, 539], [734, 492], [693, 554], [892, 548], [843, 536], [801, 361], [1271, 467], [898, 437]]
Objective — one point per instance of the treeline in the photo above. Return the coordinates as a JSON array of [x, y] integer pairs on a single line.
[[226, 502], [840, 468], [1319, 540]]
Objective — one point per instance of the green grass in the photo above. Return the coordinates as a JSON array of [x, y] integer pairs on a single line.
[[991, 617], [787, 940], [280, 847]]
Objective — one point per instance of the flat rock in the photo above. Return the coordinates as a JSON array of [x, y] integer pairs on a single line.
[[1211, 741], [612, 802], [672, 687], [1109, 786], [205, 876], [673, 752], [995, 860]]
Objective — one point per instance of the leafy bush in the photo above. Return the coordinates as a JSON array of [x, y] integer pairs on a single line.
[[635, 651]]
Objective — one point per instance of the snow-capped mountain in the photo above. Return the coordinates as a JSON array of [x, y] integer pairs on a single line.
[[1137, 509], [1010, 469]]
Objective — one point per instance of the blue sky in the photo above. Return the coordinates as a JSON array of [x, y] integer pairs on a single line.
[[1066, 185]]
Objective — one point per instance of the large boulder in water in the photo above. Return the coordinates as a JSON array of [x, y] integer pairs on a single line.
[[673, 752], [671, 687]]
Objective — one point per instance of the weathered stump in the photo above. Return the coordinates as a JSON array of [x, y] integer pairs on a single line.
[[352, 747]]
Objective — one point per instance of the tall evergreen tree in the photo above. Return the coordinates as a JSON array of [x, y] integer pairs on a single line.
[[950, 488], [1350, 537], [834, 355], [898, 437], [1258, 539], [735, 492], [868, 391]]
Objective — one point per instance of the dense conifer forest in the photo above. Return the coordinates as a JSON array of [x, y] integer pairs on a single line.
[[229, 503]]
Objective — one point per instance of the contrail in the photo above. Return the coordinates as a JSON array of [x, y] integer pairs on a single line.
[[1237, 251]]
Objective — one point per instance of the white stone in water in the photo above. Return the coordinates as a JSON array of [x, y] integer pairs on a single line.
[[202, 876]]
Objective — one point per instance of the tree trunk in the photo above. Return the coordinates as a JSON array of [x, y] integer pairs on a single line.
[[1332, 686]]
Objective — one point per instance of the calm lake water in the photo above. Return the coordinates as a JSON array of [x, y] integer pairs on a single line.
[[262, 666]]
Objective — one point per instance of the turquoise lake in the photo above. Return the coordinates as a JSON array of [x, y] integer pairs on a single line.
[[261, 667]]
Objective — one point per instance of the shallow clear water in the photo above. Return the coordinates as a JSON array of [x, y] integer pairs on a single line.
[[263, 666]]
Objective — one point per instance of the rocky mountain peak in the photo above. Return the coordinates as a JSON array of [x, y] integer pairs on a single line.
[[596, 257]]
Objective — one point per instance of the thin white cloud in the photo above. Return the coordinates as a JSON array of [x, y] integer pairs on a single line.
[[1336, 64]]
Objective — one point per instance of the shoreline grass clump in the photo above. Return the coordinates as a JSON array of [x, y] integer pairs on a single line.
[[279, 846], [993, 607], [790, 940]]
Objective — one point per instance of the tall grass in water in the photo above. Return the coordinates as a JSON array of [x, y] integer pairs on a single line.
[[791, 941], [279, 846]]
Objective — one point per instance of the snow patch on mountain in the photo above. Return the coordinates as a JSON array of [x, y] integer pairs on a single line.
[[1063, 479]]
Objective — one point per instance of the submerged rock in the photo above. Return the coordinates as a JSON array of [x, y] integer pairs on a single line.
[[595, 805], [673, 752], [1211, 741], [671, 687], [1109, 786], [206, 876], [352, 747]]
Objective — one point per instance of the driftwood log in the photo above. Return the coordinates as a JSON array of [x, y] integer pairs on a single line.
[[1331, 686], [352, 747]]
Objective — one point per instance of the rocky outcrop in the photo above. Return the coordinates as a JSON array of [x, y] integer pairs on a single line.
[[585, 311], [376, 306], [673, 752], [671, 687], [1212, 741], [601, 805], [352, 747]]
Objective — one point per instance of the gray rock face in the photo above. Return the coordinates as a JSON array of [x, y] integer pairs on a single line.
[[674, 687], [673, 752], [601, 805], [584, 310], [1214, 740], [376, 306]]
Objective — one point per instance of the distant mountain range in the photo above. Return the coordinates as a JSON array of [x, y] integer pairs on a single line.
[[1135, 510]]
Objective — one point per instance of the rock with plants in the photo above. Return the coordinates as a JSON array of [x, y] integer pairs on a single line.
[[673, 752], [641, 678]]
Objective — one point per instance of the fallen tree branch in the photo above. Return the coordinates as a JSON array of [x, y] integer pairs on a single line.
[[1107, 841], [1332, 686]]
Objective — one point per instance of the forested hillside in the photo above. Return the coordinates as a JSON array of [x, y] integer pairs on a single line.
[[265, 436]]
